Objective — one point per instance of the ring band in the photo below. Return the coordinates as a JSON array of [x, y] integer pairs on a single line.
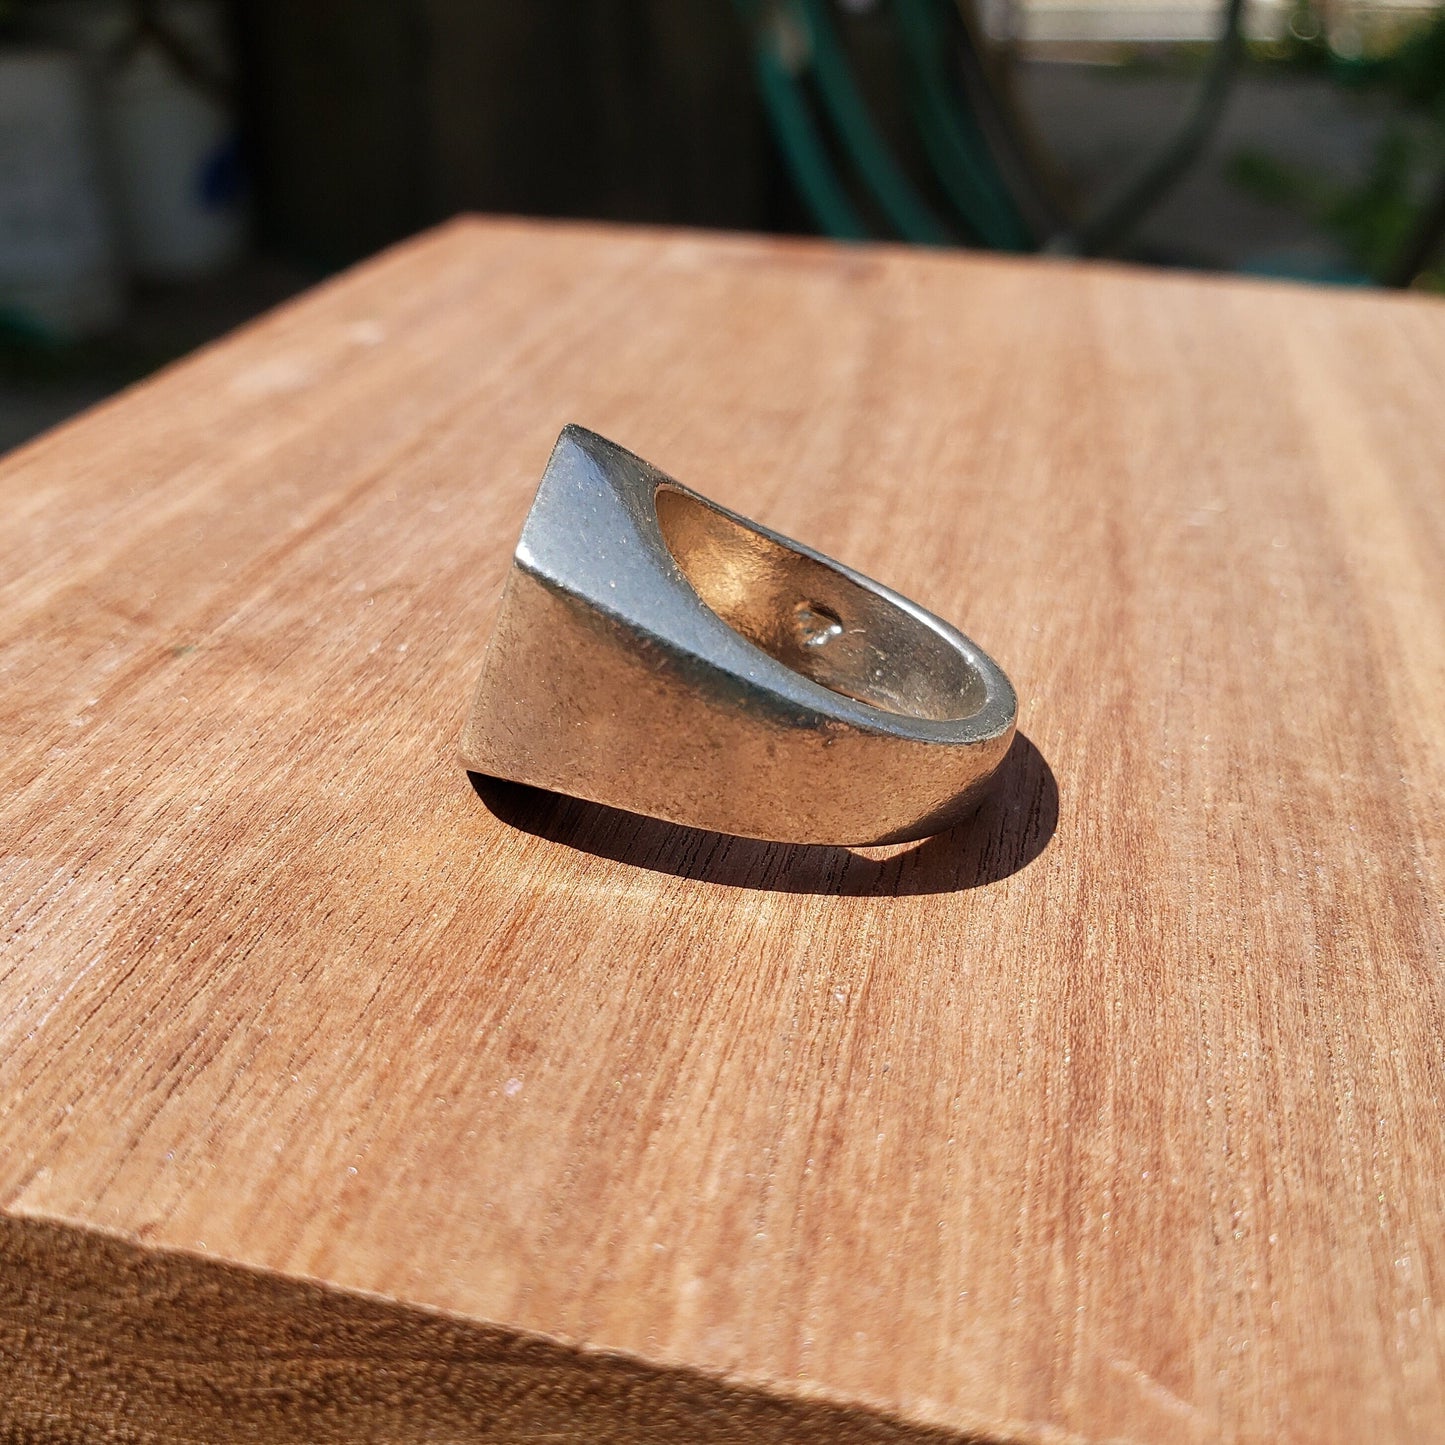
[[658, 653]]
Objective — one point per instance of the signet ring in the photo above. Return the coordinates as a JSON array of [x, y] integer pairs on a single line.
[[658, 653]]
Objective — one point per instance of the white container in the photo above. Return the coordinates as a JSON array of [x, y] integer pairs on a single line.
[[58, 271], [172, 143]]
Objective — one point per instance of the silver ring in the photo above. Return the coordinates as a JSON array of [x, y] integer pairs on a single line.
[[658, 653]]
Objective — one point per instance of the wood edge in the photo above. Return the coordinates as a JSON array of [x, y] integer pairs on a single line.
[[312, 297], [104, 1338], [807, 246], [744, 243]]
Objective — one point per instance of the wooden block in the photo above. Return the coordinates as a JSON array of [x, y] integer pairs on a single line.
[[338, 1101]]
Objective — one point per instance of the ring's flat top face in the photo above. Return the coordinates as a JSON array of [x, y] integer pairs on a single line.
[[340, 1100], [656, 653]]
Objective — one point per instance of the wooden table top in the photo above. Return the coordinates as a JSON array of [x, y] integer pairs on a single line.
[[340, 1100]]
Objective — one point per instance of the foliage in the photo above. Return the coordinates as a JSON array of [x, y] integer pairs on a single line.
[[1375, 217]]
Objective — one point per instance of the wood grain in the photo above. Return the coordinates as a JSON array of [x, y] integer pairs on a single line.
[[1116, 1115]]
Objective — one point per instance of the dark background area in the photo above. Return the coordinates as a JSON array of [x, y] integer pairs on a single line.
[[370, 119], [359, 122]]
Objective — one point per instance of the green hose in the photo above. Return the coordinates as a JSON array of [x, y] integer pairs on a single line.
[[896, 195], [804, 152], [807, 157], [957, 152]]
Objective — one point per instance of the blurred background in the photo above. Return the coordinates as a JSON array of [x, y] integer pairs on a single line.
[[170, 167]]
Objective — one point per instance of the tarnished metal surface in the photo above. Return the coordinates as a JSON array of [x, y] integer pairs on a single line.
[[658, 653]]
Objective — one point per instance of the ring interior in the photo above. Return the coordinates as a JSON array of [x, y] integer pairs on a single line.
[[815, 619]]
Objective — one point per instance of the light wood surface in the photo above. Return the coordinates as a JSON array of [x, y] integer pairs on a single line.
[[339, 1100]]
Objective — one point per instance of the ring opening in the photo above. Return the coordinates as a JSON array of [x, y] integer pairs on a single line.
[[814, 619]]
